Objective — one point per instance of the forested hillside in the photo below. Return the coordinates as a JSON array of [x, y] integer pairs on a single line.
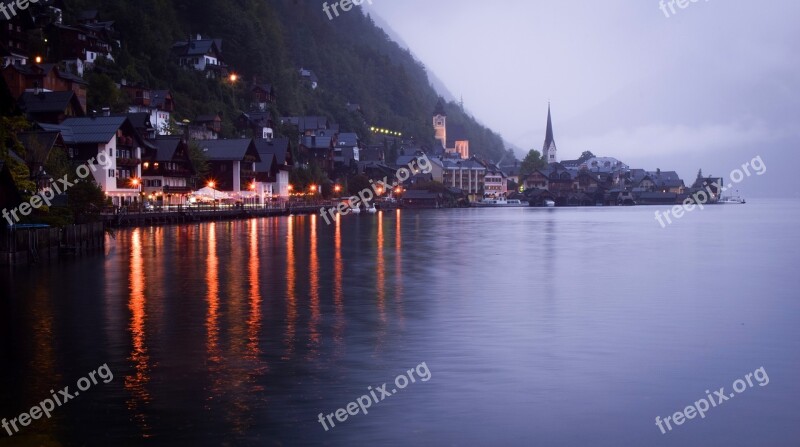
[[269, 41]]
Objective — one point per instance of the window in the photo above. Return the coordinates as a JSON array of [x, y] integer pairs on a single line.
[[110, 173]]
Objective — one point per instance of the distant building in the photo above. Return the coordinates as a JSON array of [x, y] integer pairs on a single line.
[[201, 54], [458, 144], [50, 107], [466, 175], [232, 162], [347, 150], [206, 127], [272, 172], [159, 104], [309, 78], [167, 171], [549, 150]]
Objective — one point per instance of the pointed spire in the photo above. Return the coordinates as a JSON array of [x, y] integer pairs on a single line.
[[548, 138], [439, 110]]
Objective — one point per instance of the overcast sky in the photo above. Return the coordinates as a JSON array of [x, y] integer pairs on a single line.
[[711, 87]]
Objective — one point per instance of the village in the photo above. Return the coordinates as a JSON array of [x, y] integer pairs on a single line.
[[154, 155]]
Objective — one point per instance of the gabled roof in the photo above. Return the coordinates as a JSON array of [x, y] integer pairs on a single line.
[[549, 139], [49, 102], [315, 142], [439, 109], [278, 147], [39, 144], [96, 130], [228, 150], [455, 133], [198, 47], [159, 97], [348, 139]]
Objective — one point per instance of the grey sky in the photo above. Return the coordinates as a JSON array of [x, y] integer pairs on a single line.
[[711, 87]]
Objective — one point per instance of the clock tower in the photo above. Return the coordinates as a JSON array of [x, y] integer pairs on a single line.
[[440, 123]]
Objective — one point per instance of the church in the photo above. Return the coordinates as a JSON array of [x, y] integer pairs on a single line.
[[549, 150], [458, 144]]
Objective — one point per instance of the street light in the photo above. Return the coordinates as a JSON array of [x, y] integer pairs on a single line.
[[211, 185]]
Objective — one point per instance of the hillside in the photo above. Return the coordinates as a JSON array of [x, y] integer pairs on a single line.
[[269, 41]]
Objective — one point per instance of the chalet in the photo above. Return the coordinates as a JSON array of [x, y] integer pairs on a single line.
[[206, 127], [263, 96], [346, 150], [319, 150], [141, 122], [50, 107], [39, 145], [232, 162], [308, 125], [159, 104], [86, 43], [167, 171], [202, 55], [374, 153], [115, 136], [538, 179], [273, 169], [43, 77], [259, 124]]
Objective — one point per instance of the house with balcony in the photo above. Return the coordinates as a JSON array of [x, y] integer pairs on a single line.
[[263, 96], [50, 107], [257, 124], [272, 172], [319, 150], [167, 171], [201, 54], [346, 150], [232, 163], [206, 127], [495, 182], [159, 104], [85, 42], [117, 138], [43, 78]]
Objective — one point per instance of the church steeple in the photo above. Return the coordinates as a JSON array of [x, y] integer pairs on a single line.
[[550, 151], [440, 123]]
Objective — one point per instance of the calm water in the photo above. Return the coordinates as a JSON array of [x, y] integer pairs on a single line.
[[567, 327]]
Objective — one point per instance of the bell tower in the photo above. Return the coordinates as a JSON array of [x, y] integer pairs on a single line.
[[440, 123]]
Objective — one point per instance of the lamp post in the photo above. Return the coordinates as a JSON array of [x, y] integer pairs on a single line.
[[212, 185]]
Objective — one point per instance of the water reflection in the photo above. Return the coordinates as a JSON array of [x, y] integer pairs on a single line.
[[291, 284], [136, 383], [313, 279], [254, 320], [338, 289]]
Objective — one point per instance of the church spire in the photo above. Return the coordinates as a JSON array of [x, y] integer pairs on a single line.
[[549, 151]]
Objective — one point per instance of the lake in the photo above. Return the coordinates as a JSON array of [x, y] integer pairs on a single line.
[[553, 327]]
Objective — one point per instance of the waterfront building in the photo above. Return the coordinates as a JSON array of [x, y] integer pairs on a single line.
[[272, 172], [232, 163], [167, 171]]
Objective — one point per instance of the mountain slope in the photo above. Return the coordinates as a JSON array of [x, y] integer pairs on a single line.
[[269, 41]]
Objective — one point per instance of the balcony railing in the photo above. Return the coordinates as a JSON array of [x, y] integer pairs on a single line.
[[130, 162], [126, 183]]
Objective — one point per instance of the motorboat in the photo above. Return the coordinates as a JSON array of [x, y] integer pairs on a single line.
[[499, 203], [549, 203]]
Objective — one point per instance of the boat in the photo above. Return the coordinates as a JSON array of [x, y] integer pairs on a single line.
[[499, 203], [549, 203], [732, 200]]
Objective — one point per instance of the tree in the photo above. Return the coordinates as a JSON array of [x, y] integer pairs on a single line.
[[532, 162], [586, 156]]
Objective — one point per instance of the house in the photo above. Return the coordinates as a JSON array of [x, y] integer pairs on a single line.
[[601, 164], [159, 104], [232, 163], [205, 127], [309, 125], [466, 175], [263, 96], [458, 142], [273, 169], [318, 149], [495, 182], [421, 199], [141, 122], [43, 77], [167, 171], [258, 123], [201, 54], [346, 150], [50, 107], [373, 153], [85, 42], [118, 139], [39, 145], [667, 181], [309, 78]]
